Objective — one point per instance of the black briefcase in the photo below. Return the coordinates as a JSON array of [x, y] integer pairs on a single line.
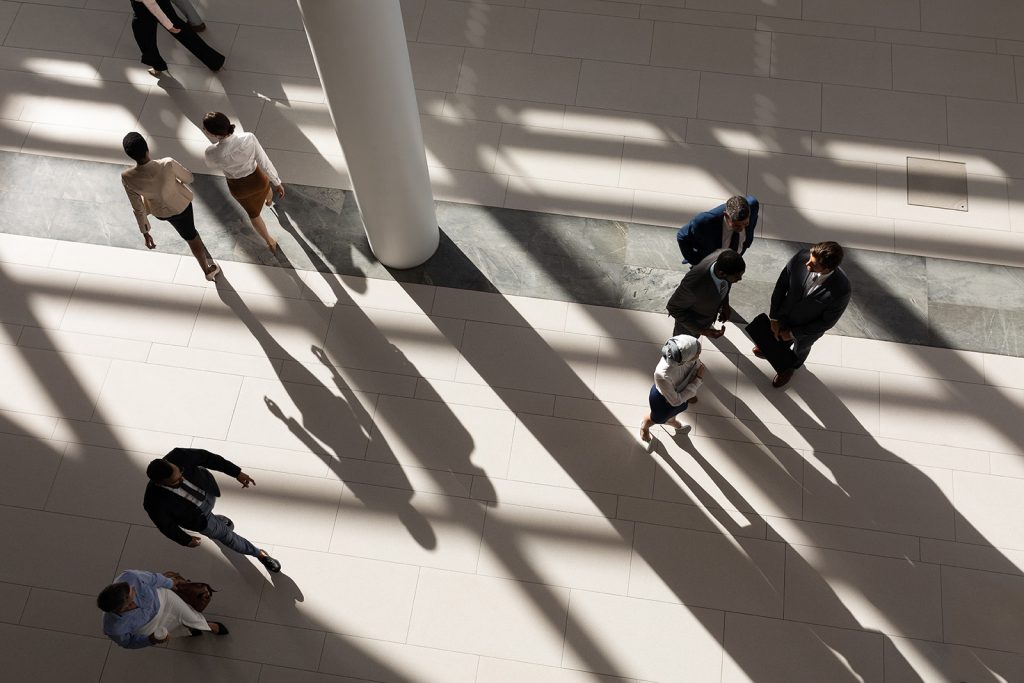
[[776, 352]]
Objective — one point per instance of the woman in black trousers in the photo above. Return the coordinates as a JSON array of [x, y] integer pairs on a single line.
[[147, 14]]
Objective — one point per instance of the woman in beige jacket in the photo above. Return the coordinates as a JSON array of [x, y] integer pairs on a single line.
[[159, 187]]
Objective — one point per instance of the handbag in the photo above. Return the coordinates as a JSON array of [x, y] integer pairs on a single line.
[[195, 594]]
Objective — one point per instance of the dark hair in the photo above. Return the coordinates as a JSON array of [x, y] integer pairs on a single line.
[[730, 263], [218, 124], [113, 597], [159, 470], [828, 254], [737, 208], [135, 146]]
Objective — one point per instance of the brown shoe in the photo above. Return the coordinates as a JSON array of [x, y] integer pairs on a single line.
[[198, 28], [757, 352], [782, 379], [692, 400]]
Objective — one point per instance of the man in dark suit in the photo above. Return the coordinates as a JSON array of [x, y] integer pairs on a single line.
[[703, 294], [181, 494], [729, 226], [809, 298]]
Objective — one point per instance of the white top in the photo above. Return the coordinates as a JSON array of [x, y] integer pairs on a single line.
[[727, 234], [677, 382], [238, 154]]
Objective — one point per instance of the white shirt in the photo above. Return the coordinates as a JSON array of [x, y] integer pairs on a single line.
[[238, 155], [727, 234]]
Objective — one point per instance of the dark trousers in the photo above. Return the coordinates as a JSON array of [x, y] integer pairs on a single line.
[[802, 347], [144, 28]]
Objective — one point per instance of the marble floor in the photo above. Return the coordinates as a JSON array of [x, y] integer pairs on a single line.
[[451, 475]]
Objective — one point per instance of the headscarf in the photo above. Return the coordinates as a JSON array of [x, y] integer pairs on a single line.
[[680, 349]]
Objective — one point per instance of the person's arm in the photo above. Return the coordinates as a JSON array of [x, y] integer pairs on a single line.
[[780, 293], [687, 243], [695, 383], [138, 206], [264, 162], [181, 173], [204, 458], [159, 14], [665, 385], [163, 521]]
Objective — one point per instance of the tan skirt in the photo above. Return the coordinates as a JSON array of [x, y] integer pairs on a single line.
[[250, 191]]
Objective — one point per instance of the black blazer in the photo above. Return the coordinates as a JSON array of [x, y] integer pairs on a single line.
[[170, 511], [813, 315], [703, 234], [697, 301]]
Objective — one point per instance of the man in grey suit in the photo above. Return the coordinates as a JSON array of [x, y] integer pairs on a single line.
[[703, 294], [809, 298]]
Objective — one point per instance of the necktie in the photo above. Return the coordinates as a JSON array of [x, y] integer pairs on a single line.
[[193, 490], [734, 241]]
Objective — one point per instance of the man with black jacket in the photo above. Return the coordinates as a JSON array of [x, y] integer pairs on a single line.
[[181, 494]]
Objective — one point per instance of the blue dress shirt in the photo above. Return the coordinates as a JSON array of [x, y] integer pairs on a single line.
[[121, 628]]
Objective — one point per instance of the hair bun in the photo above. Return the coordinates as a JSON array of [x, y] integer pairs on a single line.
[[231, 128]]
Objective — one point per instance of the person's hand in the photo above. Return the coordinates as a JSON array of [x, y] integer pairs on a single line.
[[725, 313], [786, 335], [194, 543], [244, 479], [153, 640], [775, 329], [700, 371], [280, 190], [148, 239], [175, 578]]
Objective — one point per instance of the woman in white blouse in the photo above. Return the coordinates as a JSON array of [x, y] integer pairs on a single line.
[[248, 170], [676, 380]]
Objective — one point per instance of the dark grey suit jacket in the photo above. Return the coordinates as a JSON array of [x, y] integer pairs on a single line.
[[812, 315], [697, 301]]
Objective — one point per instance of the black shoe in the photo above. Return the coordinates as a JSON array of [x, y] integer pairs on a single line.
[[272, 565], [193, 632], [227, 521], [222, 630]]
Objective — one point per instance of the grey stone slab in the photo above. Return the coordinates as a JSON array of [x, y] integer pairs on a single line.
[[877, 315], [22, 214], [652, 247], [103, 223], [989, 330], [880, 272], [972, 284], [89, 181], [648, 289], [37, 176]]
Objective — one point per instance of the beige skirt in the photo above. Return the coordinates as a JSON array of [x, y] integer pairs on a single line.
[[174, 615], [250, 191]]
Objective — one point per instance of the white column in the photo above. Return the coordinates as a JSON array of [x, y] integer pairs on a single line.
[[363, 61]]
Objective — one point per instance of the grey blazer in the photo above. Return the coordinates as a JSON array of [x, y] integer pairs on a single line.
[[697, 301]]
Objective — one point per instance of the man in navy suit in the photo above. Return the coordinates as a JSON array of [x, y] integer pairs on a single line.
[[809, 298], [729, 226]]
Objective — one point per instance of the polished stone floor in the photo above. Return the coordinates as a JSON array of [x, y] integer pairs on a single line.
[[898, 297]]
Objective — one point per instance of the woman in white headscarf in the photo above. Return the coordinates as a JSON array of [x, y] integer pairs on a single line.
[[676, 380]]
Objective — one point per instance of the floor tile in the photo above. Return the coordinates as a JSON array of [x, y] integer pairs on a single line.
[[911, 660], [707, 570], [272, 51], [493, 26], [45, 540], [848, 590], [774, 650], [86, 344], [378, 596], [132, 388], [435, 67], [625, 123], [460, 144], [13, 603], [30, 464], [91, 482], [646, 89], [29, 655], [987, 19], [556, 548], [592, 36], [849, 229], [800, 181], [699, 48], [556, 196], [883, 114], [530, 152], [259, 642], [495, 308], [101, 305], [214, 361], [815, 28], [458, 393], [431, 434], [53, 384], [646, 639], [36, 296], [493, 670], [972, 556], [179, 114], [488, 616], [704, 171], [963, 74], [976, 608], [380, 660], [409, 527], [979, 123], [834, 537], [299, 127], [65, 612], [916, 453], [831, 60], [66, 29], [503, 110], [581, 455], [894, 14], [162, 665], [870, 150], [869, 494], [760, 101], [28, 251], [556, 498], [518, 76]]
